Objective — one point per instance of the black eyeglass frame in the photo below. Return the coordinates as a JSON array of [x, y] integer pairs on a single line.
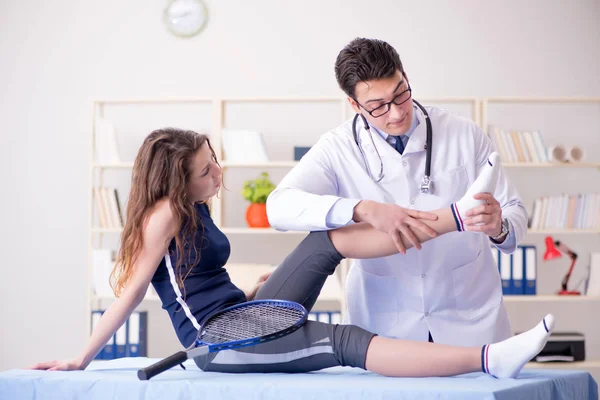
[[388, 105]]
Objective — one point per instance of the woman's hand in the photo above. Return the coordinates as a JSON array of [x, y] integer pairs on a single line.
[[59, 365], [261, 281]]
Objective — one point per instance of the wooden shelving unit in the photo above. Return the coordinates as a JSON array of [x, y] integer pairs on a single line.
[[479, 110]]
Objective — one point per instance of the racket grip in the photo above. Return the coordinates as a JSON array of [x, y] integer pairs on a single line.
[[161, 366]]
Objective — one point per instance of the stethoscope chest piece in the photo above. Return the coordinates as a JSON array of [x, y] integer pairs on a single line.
[[427, 185]]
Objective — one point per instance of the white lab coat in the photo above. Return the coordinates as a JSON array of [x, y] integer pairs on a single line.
[[451, 287]]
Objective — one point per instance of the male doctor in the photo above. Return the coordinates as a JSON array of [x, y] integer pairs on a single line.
[[448, 290]]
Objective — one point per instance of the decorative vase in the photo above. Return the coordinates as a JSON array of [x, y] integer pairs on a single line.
[[256, 216]]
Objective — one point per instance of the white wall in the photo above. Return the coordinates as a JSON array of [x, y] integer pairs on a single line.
[[56, 56]]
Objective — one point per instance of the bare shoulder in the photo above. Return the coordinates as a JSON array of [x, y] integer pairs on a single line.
[[161, 224]]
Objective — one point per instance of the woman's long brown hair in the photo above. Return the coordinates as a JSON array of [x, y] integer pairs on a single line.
[[161, 169]]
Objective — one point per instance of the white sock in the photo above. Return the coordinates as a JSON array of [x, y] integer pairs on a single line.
[[485, 183], [506, 359]]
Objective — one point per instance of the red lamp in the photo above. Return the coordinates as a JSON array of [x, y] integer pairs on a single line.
[[554, 249]]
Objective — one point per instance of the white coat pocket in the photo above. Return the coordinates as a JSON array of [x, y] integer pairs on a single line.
[[473, 288], [372, 300], [451, 185]]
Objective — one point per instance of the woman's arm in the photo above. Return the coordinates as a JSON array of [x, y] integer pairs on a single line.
[[250, 294], [158, 232]]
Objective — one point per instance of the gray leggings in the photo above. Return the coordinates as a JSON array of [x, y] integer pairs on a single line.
[[315, 345]]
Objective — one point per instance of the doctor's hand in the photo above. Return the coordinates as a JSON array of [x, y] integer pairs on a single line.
[[395, 221], [485, 218]]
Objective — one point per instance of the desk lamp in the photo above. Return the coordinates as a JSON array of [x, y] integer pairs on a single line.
[[555, 249]]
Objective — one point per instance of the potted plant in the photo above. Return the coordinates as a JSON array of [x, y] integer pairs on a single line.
[[256, 192]]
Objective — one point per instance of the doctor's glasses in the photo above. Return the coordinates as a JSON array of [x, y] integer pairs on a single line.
[[385, 107]]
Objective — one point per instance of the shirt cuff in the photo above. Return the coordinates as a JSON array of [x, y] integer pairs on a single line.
[[509, 242], [340, 213]]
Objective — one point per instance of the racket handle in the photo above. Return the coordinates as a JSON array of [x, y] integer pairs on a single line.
[[161, 366]]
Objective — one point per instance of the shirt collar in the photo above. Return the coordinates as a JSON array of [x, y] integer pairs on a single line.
[[413, 126]]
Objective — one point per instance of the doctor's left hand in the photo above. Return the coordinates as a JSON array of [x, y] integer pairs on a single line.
[[485, 218]]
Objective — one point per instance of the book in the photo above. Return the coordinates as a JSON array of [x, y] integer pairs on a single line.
[[101, 208], [593, 284]]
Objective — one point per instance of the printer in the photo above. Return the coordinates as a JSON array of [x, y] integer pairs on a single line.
[[563, 346]]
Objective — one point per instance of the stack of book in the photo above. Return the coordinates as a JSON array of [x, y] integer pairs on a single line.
[[108, 208], [578, 211], [519, 147]]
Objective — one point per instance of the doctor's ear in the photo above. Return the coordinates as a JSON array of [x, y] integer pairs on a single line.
[[354, 105]]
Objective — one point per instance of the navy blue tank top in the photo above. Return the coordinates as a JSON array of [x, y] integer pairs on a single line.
[[208, 287]]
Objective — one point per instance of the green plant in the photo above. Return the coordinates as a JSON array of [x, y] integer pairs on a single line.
[[257, 190]]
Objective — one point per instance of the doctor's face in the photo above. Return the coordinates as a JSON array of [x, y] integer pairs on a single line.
[[376, 93]]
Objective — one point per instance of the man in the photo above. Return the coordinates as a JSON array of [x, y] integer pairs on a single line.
[[447, 291]]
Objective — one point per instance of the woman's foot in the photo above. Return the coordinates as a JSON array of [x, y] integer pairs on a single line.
[[485, 183], [506, 359]]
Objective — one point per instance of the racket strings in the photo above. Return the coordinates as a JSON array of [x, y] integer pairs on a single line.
[[249, 322]]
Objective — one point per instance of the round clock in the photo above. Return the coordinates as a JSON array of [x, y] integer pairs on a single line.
[[186, 18]]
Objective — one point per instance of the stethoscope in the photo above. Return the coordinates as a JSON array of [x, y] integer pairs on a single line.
[[426, 183]]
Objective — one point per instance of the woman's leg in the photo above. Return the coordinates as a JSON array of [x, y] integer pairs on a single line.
[[302, 274], [314, 346], [317, 345], [503, 359], [362, 241]]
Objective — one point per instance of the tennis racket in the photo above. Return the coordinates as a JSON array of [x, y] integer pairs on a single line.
[[242, 325]]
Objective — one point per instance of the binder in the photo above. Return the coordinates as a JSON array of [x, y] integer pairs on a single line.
[[336, 318], [133, 335], [328, 317], [506, 273], [136, 335], [95, 319], [530, 270], [130, 340], [324, 317], [121, 341], [518, 271], [109, 349]]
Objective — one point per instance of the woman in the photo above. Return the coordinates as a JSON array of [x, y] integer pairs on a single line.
[[170, 241]]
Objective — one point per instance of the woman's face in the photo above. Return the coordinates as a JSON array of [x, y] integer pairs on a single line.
[[205, 177]]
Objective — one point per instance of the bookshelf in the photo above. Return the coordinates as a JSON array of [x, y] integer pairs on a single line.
[[221, 115], [562, 121]]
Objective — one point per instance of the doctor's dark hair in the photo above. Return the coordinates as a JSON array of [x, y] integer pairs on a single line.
[[364, 60]]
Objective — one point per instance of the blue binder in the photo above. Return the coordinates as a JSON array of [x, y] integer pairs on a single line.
[[505, 265], [130, 340], [530, 265], [518, 271], [121, 341], [96, 314], [329, 317], [136, 335]]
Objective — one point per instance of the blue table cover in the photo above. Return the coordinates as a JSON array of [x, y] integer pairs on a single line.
[[117, 379]]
